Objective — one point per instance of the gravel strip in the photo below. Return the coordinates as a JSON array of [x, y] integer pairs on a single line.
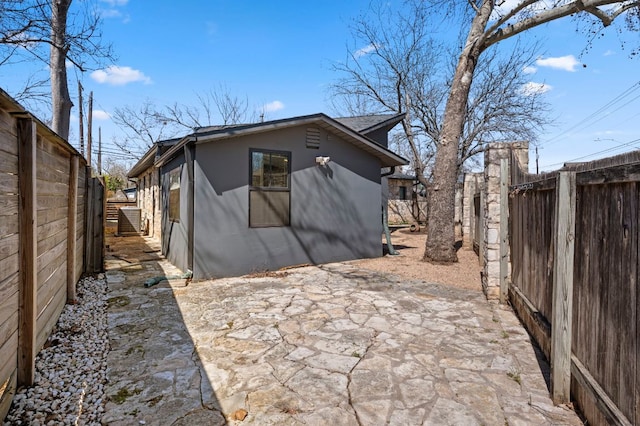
[[71, 368]]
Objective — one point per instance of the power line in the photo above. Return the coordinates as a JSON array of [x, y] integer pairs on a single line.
[[604, 151], [593, 117]]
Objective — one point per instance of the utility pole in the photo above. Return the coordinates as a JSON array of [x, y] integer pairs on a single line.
[[537, 168], [89, 124], [99, 151], [81, 118]]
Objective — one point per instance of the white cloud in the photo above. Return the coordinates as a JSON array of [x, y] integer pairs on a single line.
[[566, 63], [110, 13], [365, 50], [119, 76], [273, 106], [529, 70], [115, 3], [111, 10], [609, 53], [533, 88], [99, 114]]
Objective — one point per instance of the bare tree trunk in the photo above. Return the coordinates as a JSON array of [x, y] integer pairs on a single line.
[[60, 100], [441, 238]]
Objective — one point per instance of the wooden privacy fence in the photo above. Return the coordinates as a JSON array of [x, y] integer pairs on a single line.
[[45, 194], [574, 243]]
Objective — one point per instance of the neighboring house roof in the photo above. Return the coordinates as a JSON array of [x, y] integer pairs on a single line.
[[213, 133], [130, 193], [369, 123], [401, 176], [149, 158]]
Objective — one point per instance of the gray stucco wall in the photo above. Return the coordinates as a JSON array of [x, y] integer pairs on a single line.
[[335, 210], [381, 136], [174, 234]]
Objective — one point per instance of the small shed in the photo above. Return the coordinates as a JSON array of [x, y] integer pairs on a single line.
[[248, 198]]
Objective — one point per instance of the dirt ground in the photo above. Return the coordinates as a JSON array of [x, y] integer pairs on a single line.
[[464, 274]]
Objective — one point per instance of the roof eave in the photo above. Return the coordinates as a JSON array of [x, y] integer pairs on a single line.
[[164, 158], [390, 123], [387, 157], [143, 163], [148, 159]]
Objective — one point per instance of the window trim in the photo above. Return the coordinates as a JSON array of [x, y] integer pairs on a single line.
[[173, 172], [253, 188], [402, 192]]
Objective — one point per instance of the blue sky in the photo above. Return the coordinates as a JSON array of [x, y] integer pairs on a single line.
[[279, 55]]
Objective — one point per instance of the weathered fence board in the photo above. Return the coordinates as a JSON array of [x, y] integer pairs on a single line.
[[27, 134], [9, 184], [562, 303], [8, 162], [9, 256], [532, 253], [9, 266], [8, 369], [96, 201], [606, 285], [8, 245]]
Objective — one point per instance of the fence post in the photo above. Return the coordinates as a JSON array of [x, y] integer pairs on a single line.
[[504, 230], [28, 251], [88, 223], [72, 227], [561, 323]]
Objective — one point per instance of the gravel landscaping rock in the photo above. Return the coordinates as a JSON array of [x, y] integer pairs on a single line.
[[71, 368]]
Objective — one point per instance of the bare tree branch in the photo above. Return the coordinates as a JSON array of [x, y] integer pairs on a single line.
[[150, 123], [495, 34], [404, 70], [464, 108], [53, 32]]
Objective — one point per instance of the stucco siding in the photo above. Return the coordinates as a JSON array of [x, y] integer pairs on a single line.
[[174, 233], [335, 210]]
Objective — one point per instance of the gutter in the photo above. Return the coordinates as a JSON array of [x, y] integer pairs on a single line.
[[390, 172]]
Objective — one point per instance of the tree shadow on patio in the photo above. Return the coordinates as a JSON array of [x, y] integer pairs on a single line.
[[153, 368]]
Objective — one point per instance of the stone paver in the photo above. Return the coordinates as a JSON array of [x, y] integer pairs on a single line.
[[333, 344]]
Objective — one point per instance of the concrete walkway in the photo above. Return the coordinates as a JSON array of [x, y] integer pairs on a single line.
[[316, 345]]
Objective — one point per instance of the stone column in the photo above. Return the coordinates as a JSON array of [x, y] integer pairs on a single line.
[[495, 213]]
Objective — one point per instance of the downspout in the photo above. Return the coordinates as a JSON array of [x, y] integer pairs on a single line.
[[390, 172], [385, 218]]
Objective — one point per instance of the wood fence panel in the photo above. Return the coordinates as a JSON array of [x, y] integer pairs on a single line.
[[604, 318], [52, 181], [8, 308], [81, 224], [96, 203], [605, 334], [36, 188], [532, 220]]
